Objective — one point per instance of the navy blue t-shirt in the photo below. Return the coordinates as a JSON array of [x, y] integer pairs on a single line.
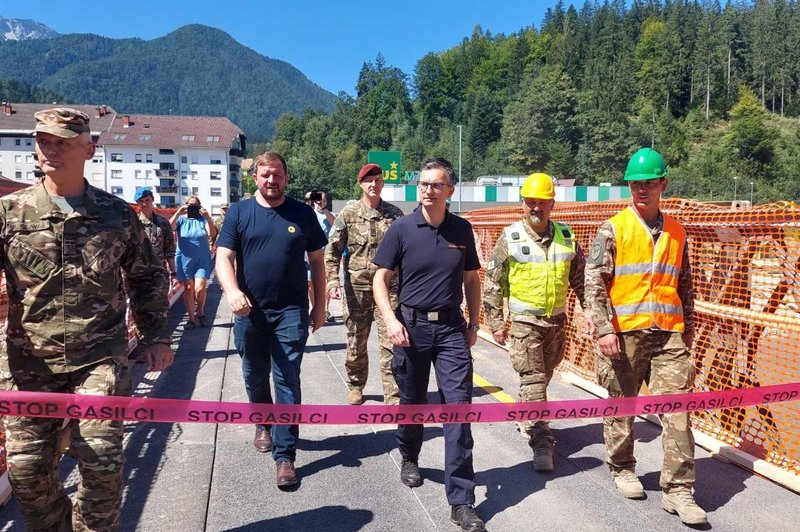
[[431, 261], [270, 244]]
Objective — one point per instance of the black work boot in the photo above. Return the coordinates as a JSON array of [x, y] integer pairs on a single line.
[[464, 516], [409, 474]]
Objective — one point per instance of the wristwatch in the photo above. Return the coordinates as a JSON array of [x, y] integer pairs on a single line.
[[473, 327]]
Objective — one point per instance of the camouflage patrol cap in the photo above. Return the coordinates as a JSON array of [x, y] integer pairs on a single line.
[[224, 206], [62, 122]]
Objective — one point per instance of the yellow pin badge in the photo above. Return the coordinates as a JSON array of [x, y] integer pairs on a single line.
[[292, 229]]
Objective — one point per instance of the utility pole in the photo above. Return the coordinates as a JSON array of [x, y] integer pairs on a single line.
[[735, 183], [459, 168]]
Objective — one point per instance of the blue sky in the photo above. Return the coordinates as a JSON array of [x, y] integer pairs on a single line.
[[327, 40]]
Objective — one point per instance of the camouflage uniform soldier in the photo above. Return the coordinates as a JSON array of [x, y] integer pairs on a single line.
[[360, 228], [639, 292], [535, 261], [158, 230], [64, 246]]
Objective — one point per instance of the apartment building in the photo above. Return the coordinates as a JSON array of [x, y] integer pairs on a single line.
[[174, 156]]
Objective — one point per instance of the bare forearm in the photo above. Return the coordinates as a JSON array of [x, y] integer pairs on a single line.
[[225, 269], [380, 291], [472, 290]]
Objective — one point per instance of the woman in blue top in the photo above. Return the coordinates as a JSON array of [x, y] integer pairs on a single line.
[[193, 257]]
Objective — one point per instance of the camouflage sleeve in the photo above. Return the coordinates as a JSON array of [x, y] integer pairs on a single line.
[[169, 242], [495, 285], [599, 272], [147, 283], [576, 273], [686, 290], [337, 241]]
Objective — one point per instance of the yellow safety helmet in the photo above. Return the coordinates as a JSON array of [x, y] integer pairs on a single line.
[[538, 186]]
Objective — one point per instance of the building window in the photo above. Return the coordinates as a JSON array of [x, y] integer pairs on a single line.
[[98, 159], [116, 174], [18, 175], [137, 174], [184, 191], [148, 158], [17, 142], [168, 200], [184, 159], [194, 159], [29, 175], [166, 151], [216, 161], [29, 159], [195, 191], [116, 190], [184, 174], [119, 136], [145, 138], [216, 192], [116, 157], [148, 174], [212, 138], [194, 176], [18, 158], [137, 157], [188, 138], [216, 176], [28, 142]]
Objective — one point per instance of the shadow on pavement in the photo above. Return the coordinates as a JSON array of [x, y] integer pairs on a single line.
[[327, 518]]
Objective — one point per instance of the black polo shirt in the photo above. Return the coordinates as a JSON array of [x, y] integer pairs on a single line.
[[431, 260]]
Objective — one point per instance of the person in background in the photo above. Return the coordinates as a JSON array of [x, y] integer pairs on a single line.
[[193, 257], [319, 201], [67, 250], [640, 297], [159, 231], [218, 221]]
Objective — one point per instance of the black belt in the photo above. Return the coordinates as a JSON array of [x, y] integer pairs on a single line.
[[445, 315]]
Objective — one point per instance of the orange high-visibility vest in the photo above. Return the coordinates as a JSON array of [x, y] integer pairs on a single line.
[[644, 292]]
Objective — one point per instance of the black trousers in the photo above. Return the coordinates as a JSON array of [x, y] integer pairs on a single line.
[[443, 346]]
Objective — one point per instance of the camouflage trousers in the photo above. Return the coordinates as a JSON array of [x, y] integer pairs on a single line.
[[34, 451], [359, 311], [535, 352], [661, 359]]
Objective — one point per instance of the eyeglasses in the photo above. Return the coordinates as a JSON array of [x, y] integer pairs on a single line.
[[438, 187]]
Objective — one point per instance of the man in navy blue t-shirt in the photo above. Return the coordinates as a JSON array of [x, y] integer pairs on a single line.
[[260, 265], [434, 253]]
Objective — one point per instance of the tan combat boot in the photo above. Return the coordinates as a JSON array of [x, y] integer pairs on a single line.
[[628, 484], [543, 454], [355, 397], [679, 500]]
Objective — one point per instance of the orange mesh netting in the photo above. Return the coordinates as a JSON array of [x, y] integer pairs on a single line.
[[745, 266]]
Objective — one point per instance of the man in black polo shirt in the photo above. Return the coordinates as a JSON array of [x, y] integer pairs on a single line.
[[260, 266], [434, 252]]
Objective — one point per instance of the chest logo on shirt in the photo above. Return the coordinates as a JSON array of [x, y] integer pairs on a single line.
[[292, 229]]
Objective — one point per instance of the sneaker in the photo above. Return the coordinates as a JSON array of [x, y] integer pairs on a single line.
[[543, 455], [190, 325], [464, 516], [409, 474], [628, 484], [355, 397], [203, 320], [679, 500]]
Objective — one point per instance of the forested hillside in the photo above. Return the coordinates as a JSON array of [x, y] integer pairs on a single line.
[[195, 70], [714, 87]]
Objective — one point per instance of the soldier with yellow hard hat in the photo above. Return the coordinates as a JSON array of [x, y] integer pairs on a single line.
[[534, 262]]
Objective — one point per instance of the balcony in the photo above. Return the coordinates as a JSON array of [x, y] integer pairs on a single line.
[[236, 153], [234, 182], [167, 190], [166, 205], [234, 167], [234, 197], [162, 172]]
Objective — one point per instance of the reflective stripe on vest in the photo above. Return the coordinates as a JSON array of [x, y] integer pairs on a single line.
[[537, 282], [644, 293]]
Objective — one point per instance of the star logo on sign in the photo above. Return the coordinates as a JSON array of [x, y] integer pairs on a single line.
[[394, 165]]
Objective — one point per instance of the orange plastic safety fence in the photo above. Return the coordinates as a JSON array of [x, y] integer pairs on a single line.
[[745, 270]]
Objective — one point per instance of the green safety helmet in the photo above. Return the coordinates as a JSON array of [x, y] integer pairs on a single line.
[[645, 164]]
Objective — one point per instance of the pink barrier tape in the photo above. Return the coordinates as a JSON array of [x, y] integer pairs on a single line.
[[73, 406]]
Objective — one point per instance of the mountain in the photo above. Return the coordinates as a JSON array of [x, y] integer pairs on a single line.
[[20, 29], [195, 70]]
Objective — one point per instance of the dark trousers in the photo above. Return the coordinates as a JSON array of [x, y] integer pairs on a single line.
[[274, 345], [444, 346]]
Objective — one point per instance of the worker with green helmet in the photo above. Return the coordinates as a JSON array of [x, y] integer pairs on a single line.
[[641, 302], [534, 262]]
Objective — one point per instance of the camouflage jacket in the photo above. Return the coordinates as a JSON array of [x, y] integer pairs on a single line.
[[495, 283], [161, 236], [218, 221], [64, 275], [600, 275], [360, 229]]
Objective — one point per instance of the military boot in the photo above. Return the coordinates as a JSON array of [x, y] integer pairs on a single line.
[[679, 500], [628, 484], [543, 454], [355, 397]]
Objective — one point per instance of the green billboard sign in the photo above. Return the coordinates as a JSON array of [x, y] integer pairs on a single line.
[[390, 162]]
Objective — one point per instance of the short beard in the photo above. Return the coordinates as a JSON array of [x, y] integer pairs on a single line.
[[535, 218]]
